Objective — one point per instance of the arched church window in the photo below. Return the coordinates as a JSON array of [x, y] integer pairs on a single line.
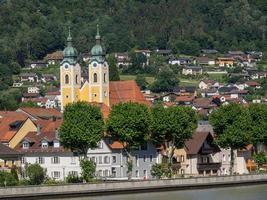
[[95, 78], [76, 79], [105, 77], [67, 79]]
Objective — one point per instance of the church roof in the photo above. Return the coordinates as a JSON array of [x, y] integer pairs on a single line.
[[125, 91]]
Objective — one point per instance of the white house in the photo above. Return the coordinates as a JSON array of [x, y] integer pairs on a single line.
[[192, 70], [33, 89]]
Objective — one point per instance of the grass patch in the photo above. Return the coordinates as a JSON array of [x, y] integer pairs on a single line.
[[149, 79], [218, 77]]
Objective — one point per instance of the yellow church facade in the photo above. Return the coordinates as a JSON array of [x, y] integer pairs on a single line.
[[96, 88]]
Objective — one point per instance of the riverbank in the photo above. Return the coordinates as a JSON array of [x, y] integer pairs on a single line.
[[100, 189]]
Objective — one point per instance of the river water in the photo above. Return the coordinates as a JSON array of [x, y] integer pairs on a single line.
[[252, 192]]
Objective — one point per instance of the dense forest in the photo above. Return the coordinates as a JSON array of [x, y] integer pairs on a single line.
[[30, 29]]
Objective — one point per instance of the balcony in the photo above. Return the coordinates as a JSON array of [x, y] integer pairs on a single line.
[[209, 166], [208, 150]]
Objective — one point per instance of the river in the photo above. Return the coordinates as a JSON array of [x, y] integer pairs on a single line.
[[251, 192]]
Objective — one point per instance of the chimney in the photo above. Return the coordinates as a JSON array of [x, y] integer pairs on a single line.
[[56, 134], [38, 129]]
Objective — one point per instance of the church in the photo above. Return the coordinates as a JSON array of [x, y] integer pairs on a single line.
[[97, 89]]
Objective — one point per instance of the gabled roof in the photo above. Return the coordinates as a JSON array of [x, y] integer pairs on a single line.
[[7, 119], [193, 145], [41, 113], [6, 152], [125, 91]]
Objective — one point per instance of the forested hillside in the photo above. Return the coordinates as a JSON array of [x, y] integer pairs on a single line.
[[30, 29]]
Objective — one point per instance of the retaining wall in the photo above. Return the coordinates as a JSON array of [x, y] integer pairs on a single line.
[[72, 190]]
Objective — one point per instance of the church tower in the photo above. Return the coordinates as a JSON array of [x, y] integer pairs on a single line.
[[98, 74], [70, 75]]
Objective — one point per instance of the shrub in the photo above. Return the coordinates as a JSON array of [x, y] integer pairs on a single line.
[[7, 179], [157, 171], [73, 179], [88, 169], [35, 173]]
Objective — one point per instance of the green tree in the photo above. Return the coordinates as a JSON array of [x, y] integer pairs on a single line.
[[82, 127], [166, 81], [7, 179], [157, 171], [172, 127], [260, 158], [88, 169], [113, 69], [35, 173], [258, 115], [231, 125], [128, 123], [28, 104], [141, 81]]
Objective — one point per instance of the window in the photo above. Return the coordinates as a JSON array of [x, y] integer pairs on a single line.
[[113, 172], [73, 160], [182, 171], [136, 160], [100, 159], [44, 144], [93, 159], [182, 158], [144, 147], [95, 78], [56, 144], [105, 78], [114, 159], [40, 160], [55, 160], [229, 157], [25, 145], [73, 173], [224, 158], [144, 173], [144, 158], [151, 158], [100, 145], [56, 174], [106, 159], [100, 173], [23, 160], [136, 173], [76, 79], [106, 173], [67, 79]]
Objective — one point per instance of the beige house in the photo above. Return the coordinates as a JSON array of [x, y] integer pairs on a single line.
[[201, 157]]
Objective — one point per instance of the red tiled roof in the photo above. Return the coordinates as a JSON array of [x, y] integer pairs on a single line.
[[40, 113], [36, 139], [49, 125], [6, 118], [116, 145], [252, 83], [184, 98], [125, 91], [53, 93]]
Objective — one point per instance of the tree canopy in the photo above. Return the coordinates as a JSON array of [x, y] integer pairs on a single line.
[[165, 81], [82, 127]]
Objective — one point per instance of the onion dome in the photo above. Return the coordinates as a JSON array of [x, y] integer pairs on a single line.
[[70, 53], [97, 51]]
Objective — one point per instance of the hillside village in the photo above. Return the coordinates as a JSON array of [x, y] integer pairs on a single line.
[[30, 134]]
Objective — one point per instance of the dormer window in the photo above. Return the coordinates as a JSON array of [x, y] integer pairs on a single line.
[[25, 145], [44, 144], [56, 144]]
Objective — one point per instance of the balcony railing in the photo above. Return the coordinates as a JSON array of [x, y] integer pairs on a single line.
[[209, 166]]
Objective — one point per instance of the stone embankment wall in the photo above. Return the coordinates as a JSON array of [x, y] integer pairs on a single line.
[[72, 190]]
